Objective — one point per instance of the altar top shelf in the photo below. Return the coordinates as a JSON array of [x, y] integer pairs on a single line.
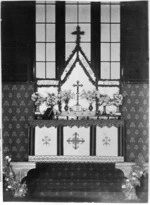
[[77, 123]]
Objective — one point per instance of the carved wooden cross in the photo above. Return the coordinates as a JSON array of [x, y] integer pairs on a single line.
[[78, 33], [77, 85]]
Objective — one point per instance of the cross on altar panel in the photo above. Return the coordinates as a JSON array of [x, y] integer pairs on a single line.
[[45, 141], [76, 141], [106, 141]]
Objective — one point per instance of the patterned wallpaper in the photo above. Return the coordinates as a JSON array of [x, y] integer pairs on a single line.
[[18, 109], [135, 113]]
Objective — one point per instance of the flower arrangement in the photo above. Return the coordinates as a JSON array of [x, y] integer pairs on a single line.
[[89, 95], [17, 188], [133, 180], [117, 99], [51, 99], [66, 95], [37, 98], [103, 99]]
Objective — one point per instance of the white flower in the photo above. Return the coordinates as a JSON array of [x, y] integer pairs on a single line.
[[134, 174], [134, 178], [9, 159], [141, 172], [123, 186], [127, 180]]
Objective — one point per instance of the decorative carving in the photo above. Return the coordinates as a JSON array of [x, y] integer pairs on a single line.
[[126, 167], [83, 159], [78, 123]]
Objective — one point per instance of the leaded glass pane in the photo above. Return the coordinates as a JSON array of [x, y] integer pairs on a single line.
[[115, 51], [50, 13], [115, 13], [40, 32], [105, 70], [71, 13], [84, 13], [50, 70], [115, 70], [40, 51], [40, 13], [115, 32], [50, 32], [87, 34], [105, 32], [50, 51], [40, 70], [105, 13], [105, 51]]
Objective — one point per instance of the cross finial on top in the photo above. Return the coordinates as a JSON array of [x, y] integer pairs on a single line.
[[78, 33]]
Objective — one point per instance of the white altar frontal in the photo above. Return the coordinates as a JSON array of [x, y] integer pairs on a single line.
[[76, 141]]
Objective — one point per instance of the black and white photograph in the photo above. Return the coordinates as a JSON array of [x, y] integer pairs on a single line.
[[74, 107]]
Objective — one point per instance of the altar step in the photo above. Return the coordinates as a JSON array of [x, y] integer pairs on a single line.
[[72, 182]]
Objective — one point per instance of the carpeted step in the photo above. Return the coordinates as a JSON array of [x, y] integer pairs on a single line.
[[77, 179]]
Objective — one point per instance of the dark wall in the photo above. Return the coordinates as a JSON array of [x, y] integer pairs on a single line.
[[18, 41], [18, 110], [134, 41], [135, 113]]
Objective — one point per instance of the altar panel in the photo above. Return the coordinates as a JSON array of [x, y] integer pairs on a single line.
[[45, 141], [106, 141], [76, 141]]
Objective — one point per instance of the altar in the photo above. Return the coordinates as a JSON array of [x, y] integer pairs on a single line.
[[76, 141]]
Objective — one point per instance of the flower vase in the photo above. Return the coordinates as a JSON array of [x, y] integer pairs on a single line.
[[43, 107], [49, 114], [66, 107], [104, 110], [118, 109], [37, 109], [90, 107]]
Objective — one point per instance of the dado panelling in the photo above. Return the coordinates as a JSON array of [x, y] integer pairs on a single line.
[[135, 114], [17, 111]]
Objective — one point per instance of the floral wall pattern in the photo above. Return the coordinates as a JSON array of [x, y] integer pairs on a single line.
[[135, 114], [17, 109]]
